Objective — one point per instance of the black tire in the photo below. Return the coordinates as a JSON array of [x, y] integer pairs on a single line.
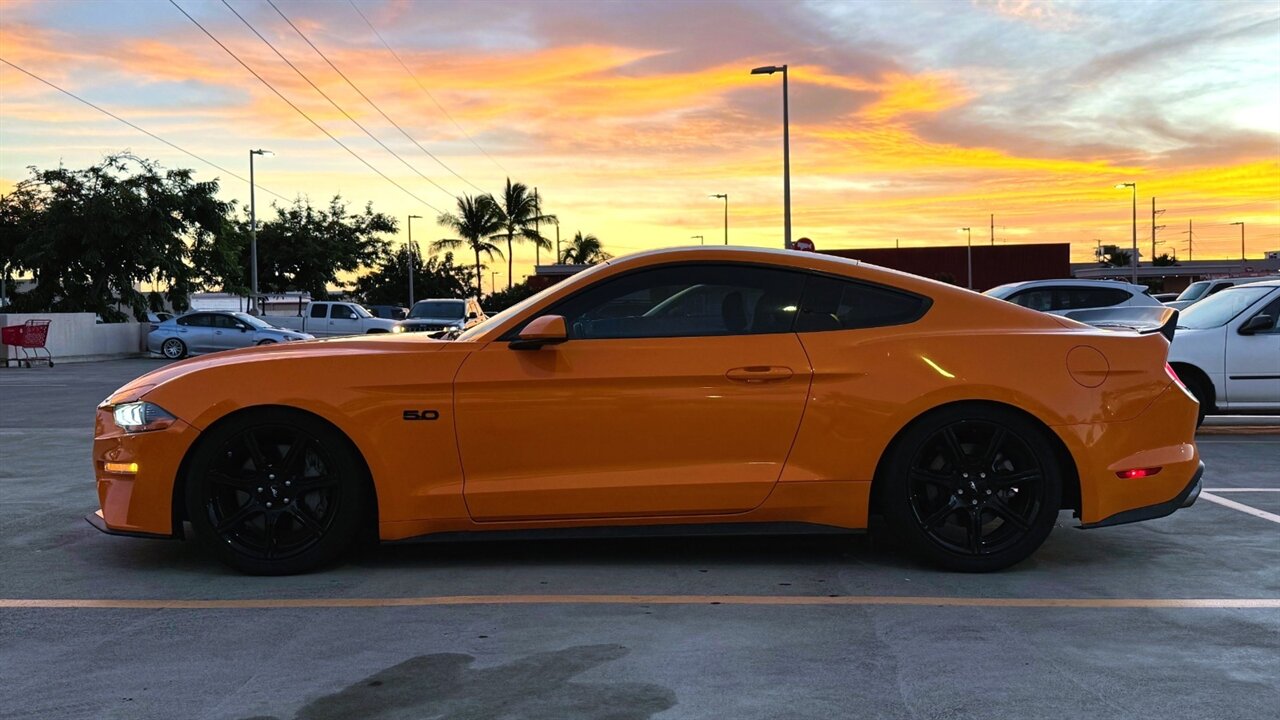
[[173, 349], [266, 342], [972, 488], [1199, 385], [276, 492]]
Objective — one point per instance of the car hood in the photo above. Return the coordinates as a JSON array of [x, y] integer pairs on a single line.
[[358, 345]]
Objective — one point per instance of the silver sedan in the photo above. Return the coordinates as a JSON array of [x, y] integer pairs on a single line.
[[205, 332]]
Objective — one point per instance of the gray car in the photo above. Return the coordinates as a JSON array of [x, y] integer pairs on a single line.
[[205, 332]]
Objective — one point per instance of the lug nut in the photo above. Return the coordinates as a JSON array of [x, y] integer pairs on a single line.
[[271, 477], [287, 483], [964, 475], [259, 489], [988, 492], [960, 492], [286, 501], [268, 504], [982, 475], [975, 502]]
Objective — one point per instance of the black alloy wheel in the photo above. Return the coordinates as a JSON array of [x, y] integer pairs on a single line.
[[275, 493], [974, 489]]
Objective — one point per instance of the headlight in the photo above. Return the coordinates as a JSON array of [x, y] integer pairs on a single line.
[[141, 416], [397, 328]]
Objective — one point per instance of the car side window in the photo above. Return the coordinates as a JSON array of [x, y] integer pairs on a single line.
[[685, 301], [835, 304], [317, 311], [197, 320], [1076, 298], [1036, 298], [341, 312], [1273, 311]]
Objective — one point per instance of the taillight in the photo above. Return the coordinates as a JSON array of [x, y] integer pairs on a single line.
[[1174, 375]]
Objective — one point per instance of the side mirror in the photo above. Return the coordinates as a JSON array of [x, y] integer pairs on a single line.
[[243, 327], [1256, 324], [545, 330]]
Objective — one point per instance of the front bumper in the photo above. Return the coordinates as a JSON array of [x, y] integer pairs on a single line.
[[141, 503], [1184, 499], [96, 519]]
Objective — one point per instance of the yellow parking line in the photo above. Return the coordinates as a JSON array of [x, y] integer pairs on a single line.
[[279, 603]]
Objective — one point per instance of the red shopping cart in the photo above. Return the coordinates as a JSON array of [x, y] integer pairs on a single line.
[[27, 340]]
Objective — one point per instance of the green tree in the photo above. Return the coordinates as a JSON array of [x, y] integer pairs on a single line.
[[519, 216], [1119, 258], [305, 248], [504, 299], [90, 237], [584, 250], [475, 223], [438, 277], [1164, 260]]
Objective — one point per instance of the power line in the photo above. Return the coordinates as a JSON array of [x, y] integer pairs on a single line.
[[366, 98], [144, 131], [332, 102], [423, 87], [317, 125]]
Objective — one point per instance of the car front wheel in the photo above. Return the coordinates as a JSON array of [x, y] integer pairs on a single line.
[[276, 492], [973, 489]]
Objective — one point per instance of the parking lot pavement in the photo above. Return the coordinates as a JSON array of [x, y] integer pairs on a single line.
[[1173, 618]]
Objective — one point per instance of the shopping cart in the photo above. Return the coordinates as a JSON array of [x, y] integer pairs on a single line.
[[27, 340]]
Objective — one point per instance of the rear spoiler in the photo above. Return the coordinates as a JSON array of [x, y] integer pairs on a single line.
[[1140, 319]]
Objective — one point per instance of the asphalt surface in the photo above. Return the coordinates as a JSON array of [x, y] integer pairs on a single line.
[[724, 627]]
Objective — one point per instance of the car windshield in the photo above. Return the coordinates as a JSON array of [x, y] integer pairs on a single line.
[[451, 309], [1217, 310], [1195, 290], [251, 321]]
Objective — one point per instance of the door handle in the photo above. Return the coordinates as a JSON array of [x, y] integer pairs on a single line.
[[759, 374]]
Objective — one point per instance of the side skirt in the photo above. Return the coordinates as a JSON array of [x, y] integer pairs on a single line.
[[632, 531]]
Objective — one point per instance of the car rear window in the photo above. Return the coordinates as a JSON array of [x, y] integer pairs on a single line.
[[835, 304]]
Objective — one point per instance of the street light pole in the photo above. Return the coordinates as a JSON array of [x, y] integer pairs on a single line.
[[1134, 260], [412, 256], [786, 151], [968, 231], [726, 215], [253, 236], [701, 240], [1241, 224]]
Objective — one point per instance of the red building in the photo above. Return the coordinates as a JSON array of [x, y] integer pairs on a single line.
[[992, 264]]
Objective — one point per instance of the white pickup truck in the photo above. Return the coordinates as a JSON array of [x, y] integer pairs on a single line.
[[323, 318]]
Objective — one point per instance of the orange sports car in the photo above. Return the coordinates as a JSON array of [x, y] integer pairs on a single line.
[[743, 390]]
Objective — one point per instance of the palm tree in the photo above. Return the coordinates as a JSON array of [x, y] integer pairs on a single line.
[[475, 222], [519, 215], [584, 250]]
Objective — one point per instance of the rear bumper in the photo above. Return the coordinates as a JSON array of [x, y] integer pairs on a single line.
[[1184, 499]]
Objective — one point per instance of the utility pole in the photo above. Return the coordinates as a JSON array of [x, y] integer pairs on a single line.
[[557, 242], [968, 231], [1189, 240], [725, 197], [897, 244], [993, 230], [1098, 253], [253, 237], [1154, 213], [412, 257]]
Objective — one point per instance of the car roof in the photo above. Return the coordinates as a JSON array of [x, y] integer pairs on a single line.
[[1263, 283], [1072, 282]]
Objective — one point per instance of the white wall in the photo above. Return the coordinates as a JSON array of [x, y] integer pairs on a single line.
[[76, 337]]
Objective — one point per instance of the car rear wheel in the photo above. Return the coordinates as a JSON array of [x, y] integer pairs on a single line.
[[266, 342], [973, 489], [173, 348], [277, 492]]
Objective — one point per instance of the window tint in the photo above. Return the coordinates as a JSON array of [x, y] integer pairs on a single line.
[[1219, 309], [683, 301], [317, 310], [341, 312], [1272, 311], [1076, 298], [1037, 299], [197, 320], [833, 304]]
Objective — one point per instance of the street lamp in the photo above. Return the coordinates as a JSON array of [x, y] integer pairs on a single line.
[[786, 152], [701, 240], [726, 215], [253, 236], [493, 281], [413, 257], [1241, 224], [1134, 260], [969, 252]]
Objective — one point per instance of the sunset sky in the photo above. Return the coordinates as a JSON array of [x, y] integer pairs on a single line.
[[908, 119]]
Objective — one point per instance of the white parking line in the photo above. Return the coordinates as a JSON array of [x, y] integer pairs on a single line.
[[1242, 508]]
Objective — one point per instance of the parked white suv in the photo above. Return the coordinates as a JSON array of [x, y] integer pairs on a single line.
[[1202, 289], [1061, 297], [1226, 349]]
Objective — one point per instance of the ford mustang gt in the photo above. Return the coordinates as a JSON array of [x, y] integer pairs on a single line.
[[733, 389]]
